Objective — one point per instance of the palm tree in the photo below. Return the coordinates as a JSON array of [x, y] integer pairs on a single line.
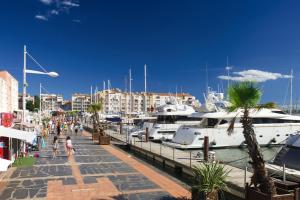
[[209, 178], [94, 108], [245, 96]]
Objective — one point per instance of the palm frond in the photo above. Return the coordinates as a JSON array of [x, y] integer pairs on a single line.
[[244, 95], [267, 105], [210, 177]]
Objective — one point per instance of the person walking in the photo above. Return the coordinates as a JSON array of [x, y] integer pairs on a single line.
[[81, 128], [55, 147], [71, 128], [69, 146], [58, 128], [76, 129]]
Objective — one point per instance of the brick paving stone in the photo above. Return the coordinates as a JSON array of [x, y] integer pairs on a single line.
[[94, 172]]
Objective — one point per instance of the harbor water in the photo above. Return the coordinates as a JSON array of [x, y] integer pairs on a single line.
[[238, 157]]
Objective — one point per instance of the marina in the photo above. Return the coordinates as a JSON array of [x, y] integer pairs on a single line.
[[236, 160]]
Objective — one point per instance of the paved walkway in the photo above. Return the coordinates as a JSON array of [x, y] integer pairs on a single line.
[[94, 172]]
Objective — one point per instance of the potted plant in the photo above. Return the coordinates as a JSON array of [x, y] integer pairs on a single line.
[[98, 129], [209, 180], [244, 98]]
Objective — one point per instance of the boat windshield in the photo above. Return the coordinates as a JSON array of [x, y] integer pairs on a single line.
[[171, 119]]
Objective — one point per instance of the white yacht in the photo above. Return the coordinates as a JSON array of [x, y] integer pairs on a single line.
[[169, 118], [271, 126]]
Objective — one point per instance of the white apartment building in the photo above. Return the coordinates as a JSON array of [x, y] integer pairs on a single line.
[[8, 92], [80, 102], [51, 102], [116, 101]]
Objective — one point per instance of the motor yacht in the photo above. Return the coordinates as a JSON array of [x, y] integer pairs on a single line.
[[169, 118], [271, 126]]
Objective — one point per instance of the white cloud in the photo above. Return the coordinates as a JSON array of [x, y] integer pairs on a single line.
[[70, 3], [57, 7], [47, 2], [54, 12], [254, 75], [41, 17]]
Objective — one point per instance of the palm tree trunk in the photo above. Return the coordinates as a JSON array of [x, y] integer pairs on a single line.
[[260, 177]]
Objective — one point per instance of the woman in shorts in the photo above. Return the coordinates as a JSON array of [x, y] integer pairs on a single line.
[[69, 145], [55, 147]]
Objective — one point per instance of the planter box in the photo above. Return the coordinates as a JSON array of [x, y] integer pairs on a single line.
[[95, 136], [104, 140], [251, 194]]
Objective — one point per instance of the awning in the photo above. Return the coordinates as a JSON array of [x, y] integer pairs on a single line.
[[4, 164], [17, 134]]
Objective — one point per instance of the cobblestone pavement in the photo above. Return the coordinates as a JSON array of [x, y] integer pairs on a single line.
[[94, 172]]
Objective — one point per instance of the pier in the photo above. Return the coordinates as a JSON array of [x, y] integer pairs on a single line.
[[181, 161]]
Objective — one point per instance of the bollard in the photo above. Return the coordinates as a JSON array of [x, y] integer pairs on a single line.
[[190, 158], [205, 148], [147, 134]]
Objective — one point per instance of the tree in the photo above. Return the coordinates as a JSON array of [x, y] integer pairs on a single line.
[[245, 96], [94, 108], [30, 106], [37, 102], [209, 178]]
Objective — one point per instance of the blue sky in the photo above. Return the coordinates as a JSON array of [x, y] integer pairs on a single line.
[[87, 42]]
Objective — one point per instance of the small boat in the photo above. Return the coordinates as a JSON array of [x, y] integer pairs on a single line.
[[288, 158]]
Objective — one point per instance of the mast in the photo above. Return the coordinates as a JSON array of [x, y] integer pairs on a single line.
[[130, 98], [228, 73], [206, 73], [145, 75], [291, 93], [103, 85], [91, 94]]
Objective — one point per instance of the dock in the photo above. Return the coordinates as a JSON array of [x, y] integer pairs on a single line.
[[182, 161]]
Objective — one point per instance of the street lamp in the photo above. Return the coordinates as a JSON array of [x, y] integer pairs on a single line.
[[28, 71]]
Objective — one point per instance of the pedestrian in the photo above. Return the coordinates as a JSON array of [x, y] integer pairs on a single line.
[[58, 128], [55, 147], [76, 129], [71, 128], [69, 145], [81, 128]]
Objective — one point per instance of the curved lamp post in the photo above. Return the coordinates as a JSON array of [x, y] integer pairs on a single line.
[[28, 71]]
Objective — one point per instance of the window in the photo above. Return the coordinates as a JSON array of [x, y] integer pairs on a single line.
[[272, 121], [211, 122]]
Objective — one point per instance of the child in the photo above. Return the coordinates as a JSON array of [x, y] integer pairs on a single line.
[[69, 146], [55, 147]]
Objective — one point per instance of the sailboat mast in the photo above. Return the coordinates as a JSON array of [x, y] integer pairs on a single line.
[[130, 99], [145, 75], [291, 93]]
